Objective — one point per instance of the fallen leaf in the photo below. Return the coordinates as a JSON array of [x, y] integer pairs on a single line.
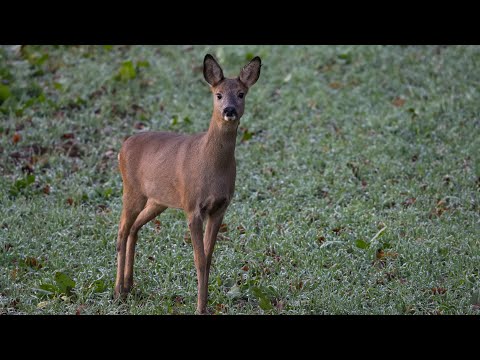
[[14, 303], [279, 304], [220, 308], [139, 125], [179, 300], [362, 244], [245, 268], [380, 254], [438, 290], [338, 229], [46, 189], [223, 228], [33, 262], [321, 239], [439, 209], [16, 138], [103, 208], [447, 179], [335, 85], [157, 224], [126, 71], [68, 136], [247, 135], [398, 101], [241, 229], [390, 275], [28, 168], [297, 285], [71, 148], [70, 201], [64, 283], [109, 154], [263, 299], [223, 237], [42, 304], [14, 273], [409, 202]]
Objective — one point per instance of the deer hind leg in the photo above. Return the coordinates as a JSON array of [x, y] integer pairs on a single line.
[[150, 211], [132, 206]]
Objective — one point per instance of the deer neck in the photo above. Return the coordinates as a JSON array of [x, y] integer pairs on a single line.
[[220, 142]]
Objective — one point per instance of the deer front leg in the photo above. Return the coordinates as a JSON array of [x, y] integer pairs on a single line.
[[195, 223], [211, 231]]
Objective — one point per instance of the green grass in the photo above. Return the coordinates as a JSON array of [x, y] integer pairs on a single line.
[[347, 141]]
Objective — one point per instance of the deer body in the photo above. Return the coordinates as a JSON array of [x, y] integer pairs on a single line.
[[195, 173]]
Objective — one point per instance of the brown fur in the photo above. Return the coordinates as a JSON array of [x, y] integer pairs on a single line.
[[195, 173]]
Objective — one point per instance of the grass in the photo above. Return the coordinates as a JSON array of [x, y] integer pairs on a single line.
[[358, 180]]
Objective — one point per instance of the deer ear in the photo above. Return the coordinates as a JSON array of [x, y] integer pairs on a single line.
[[211, 70], [251, 72]]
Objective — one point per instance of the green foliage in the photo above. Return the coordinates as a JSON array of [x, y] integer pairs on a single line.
[[126, 72]]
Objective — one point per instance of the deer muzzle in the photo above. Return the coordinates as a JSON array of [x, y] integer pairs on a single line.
[[230, 114]]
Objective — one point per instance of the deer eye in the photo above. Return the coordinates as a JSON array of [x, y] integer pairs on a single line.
[[241, 95], [219, 96]]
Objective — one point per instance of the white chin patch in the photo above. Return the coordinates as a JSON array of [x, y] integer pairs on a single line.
[[229, 118]]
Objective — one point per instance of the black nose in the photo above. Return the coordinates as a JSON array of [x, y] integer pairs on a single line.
[[229, 111]]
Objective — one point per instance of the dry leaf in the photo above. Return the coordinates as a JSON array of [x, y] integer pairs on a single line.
[[42, 304], [139, 125], [14, 273], [321, 239], [220, 308], [68, 136], [241, 229], [380, 254], [438, 290], [33, 262], [279, 304], [338, 229], [335, 85], [223, 228], [409, 202], [16, 138], [398, 101]]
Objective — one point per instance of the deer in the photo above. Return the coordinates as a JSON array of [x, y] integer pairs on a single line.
[[192, 172]]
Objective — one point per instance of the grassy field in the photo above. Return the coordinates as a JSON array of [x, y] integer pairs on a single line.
[[357, 192]]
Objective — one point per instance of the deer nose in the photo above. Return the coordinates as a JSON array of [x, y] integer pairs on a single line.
[[230, 113]]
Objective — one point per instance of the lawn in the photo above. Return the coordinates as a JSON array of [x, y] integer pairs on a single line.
[[357, 191]]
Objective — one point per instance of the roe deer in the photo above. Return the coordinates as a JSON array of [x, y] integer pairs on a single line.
[[195, 173]]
